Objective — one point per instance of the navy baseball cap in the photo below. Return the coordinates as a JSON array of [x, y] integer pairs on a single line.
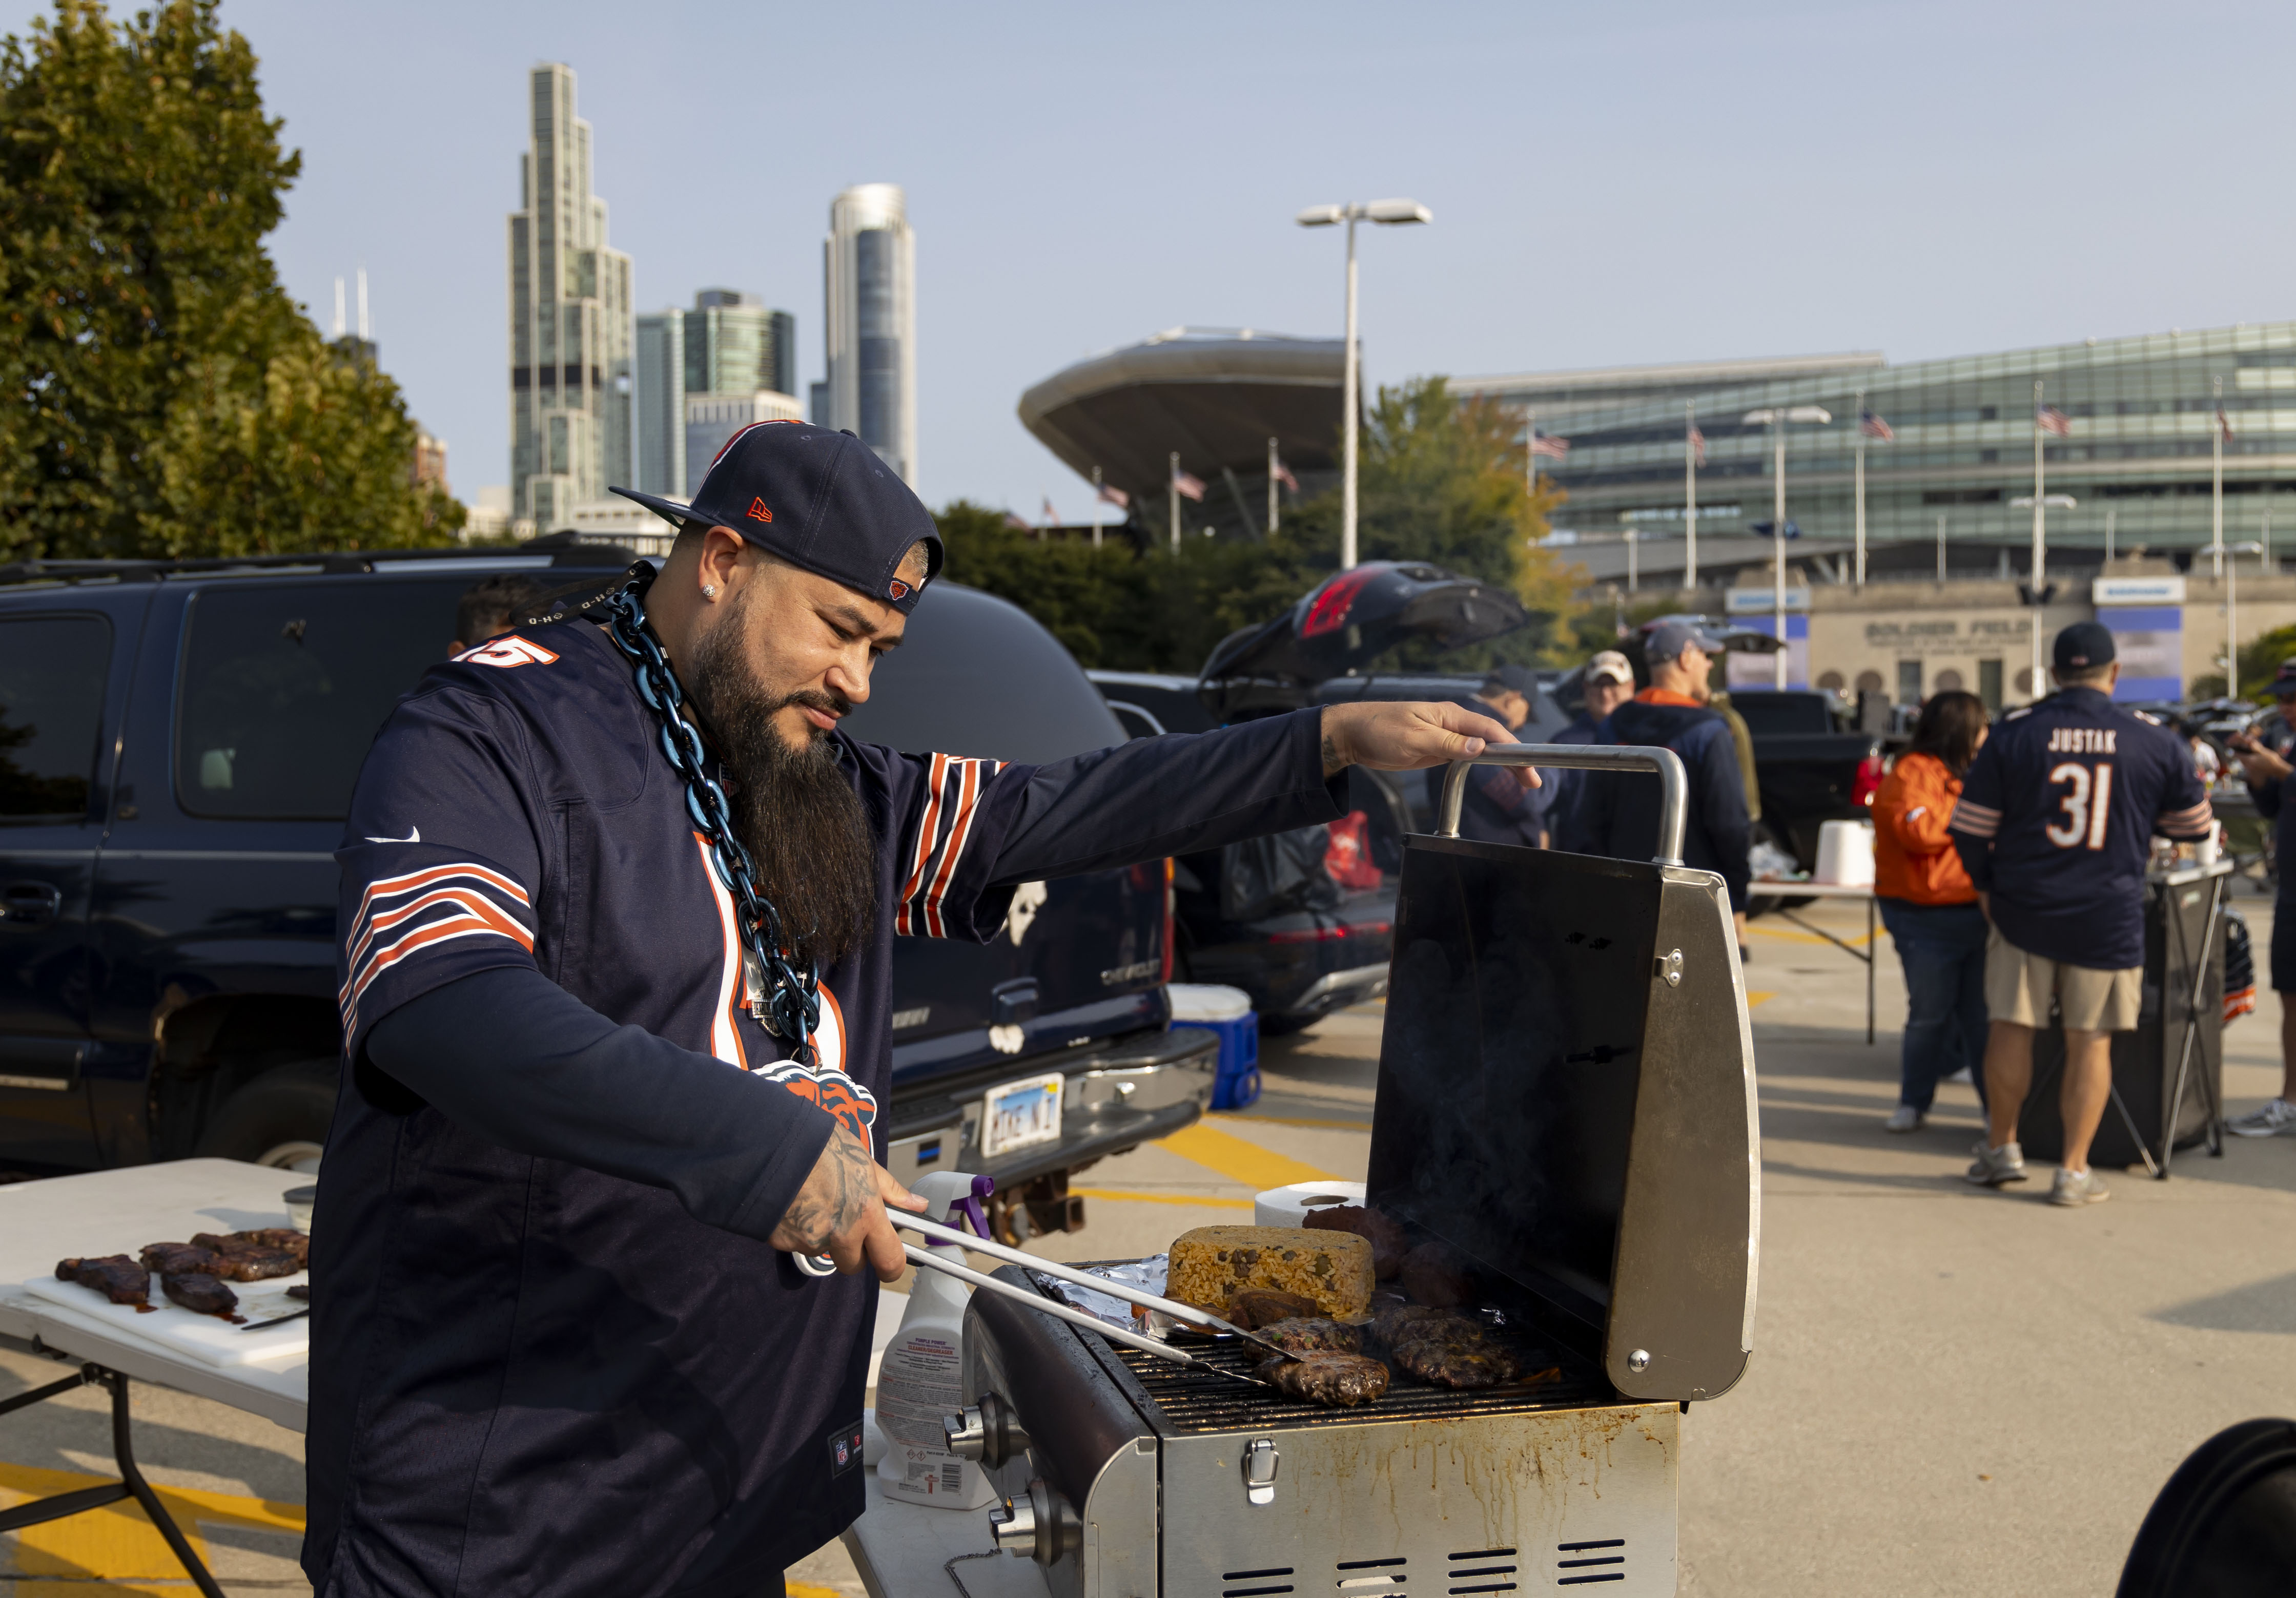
[[2081, 646], [2284, 681], [819, 498], [1668, 639]]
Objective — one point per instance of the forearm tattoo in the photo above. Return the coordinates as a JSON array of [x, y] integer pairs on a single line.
[[1334, 763], [836, 1195]]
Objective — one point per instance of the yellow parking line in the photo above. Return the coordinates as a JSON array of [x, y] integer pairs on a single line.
[[1295, 1120], [1239, 1159], [1800, 936], [117, 1542], [1753, 999], [1135, 1198]]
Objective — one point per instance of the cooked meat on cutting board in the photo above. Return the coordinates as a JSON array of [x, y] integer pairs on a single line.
[[245, 1256], [301, 1289], [114, 1275], [202, 1294], [181, 1260], [1333, 1379], [298, 1243]]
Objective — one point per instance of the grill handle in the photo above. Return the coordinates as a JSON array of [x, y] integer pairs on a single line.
[[1674, 787]]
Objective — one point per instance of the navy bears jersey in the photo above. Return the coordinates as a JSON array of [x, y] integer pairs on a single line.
[[2055, 821], [531, 1376]]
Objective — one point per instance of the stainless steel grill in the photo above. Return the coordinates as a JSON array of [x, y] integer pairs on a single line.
[[1565, 1102]]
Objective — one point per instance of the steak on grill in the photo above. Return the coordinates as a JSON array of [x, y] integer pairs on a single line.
[[1315, 1335], [114, 1275], [1333, 1379], [1257, 1307], [201, 1293]]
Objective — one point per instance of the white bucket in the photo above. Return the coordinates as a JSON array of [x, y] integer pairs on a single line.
[[1208, 1002], [1289, 1206], [1845, 854]]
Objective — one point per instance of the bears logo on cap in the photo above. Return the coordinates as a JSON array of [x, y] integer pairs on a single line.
[[897, 589]]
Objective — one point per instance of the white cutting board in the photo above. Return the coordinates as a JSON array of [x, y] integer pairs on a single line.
[[204, 1337]]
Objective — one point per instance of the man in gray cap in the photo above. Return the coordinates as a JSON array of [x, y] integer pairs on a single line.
[[1501, 805], [1616, 815]]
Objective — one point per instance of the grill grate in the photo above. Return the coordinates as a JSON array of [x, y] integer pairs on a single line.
[[1193, 1401]]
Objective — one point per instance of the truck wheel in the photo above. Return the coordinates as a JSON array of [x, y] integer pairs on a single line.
[[279, 1120]]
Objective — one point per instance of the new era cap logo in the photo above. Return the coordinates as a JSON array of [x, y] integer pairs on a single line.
[[757, 511]]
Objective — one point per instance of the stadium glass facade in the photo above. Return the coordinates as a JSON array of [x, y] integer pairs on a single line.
[[2137, 456]]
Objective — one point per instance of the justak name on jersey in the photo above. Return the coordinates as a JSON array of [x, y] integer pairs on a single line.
[[2081, 741]]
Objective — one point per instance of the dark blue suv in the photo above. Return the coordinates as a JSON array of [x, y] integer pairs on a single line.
[[177, 745]]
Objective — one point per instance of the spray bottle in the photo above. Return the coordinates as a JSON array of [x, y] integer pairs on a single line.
[[919, 1382]]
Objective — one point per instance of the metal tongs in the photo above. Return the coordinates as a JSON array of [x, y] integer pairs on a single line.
[[1187, 1314]]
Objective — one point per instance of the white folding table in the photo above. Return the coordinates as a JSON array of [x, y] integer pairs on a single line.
[[118, 1212]]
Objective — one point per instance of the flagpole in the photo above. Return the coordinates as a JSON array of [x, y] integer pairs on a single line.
[[1940, 550], [1531, 451], [1353, 379], [1778, 550], [1861, 487], [1274, 508], [2107, 535], [1096, 507], [1172, 493], [2216, 493], [1689, 496], [2040, 512]]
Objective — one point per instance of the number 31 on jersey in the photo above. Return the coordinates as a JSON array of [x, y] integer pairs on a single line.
[[2085, 805]]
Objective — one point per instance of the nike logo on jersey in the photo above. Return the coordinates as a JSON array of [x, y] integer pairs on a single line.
[[413, 835], [2082, 740], [507, 651]]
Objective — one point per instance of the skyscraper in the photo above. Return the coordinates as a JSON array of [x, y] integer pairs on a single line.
[[570, 320], [729, 349], [869, 272]]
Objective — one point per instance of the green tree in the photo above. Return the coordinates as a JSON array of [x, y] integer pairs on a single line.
[[160, 394], [2260, 659]]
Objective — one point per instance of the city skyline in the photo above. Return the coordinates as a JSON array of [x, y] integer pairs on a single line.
[[1691, 185]]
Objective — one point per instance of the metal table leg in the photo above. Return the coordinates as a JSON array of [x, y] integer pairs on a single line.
[[130, 1485], [1855, 952]]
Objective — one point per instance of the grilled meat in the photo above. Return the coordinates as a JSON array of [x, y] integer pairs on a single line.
[[1439, 1363], [114, 1275], [1258, 1306], [1313, 1335], [179, 1260], [201, 1293], [241, 1258], [1389, 1246], [301, 1289], [298, 1243], [1390, 1317], [1333, 1379], [1433, 1275]]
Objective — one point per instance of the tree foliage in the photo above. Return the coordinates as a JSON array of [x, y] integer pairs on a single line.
[[1441, 481], [160, 394], [2260, 659]]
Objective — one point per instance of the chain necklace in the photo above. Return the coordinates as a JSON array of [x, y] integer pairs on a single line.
[[786, 1000]]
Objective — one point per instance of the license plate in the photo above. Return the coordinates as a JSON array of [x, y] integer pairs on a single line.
[[1020, 1114]]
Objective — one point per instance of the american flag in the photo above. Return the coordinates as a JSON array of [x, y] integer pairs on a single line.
[[1283, 475], [1697, 443], [1051, 517], [1110, 494], [2224, 426], [2051, 420], [1190, 486], [1541, 445], [1874, 427]]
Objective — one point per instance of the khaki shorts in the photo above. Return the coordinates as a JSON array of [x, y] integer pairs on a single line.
[[2019, 986]]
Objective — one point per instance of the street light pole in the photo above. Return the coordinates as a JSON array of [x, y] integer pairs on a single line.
[[2216, 486], [1861, 487], [1274, 504], [2232, 617], [1096, 507], [2040, 502], [1775, 419], [1387, 213], [1689, 495]]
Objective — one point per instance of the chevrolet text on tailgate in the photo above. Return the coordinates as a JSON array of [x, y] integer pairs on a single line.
[[178, 742]]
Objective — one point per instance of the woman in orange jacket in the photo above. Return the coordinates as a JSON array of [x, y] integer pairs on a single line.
[[1930, 906]]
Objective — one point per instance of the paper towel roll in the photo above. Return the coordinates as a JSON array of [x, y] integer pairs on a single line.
[[1289, 1206]]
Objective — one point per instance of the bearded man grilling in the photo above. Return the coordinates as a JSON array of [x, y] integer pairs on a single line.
[[619, 904]]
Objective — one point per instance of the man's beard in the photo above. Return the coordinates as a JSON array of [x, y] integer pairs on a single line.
[[793, 808]]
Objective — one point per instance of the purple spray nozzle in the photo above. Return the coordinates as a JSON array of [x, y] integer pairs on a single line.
[[982, 1186]]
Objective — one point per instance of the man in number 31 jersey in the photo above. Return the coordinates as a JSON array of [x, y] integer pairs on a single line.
[[2055, 824]]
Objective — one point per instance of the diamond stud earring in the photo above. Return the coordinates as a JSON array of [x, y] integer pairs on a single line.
[[708, 590]]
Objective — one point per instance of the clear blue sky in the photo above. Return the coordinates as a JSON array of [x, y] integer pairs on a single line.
[[1615, 181]]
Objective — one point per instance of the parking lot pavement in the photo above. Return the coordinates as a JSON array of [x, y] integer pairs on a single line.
[[1951, 1389]]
